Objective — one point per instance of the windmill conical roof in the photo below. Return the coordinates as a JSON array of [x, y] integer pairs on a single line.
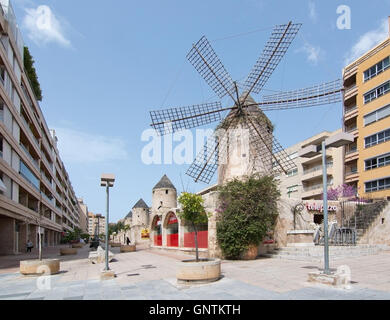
[[141, 204], [253, 110], [164, 183], [129, 215]]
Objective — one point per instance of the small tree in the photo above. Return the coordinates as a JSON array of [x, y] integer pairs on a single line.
[[193, 211]]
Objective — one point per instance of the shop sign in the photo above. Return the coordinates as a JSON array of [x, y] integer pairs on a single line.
[[145, 233], [319, 207]]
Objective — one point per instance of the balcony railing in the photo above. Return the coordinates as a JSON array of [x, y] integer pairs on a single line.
[[351, 172], [30, 132], [317, 168], [34, 161], [352, 150], [350, 109], [350, 129], [316, 186], [349, 89]]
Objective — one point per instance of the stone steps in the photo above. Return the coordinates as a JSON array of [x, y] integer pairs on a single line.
[[317, 253]]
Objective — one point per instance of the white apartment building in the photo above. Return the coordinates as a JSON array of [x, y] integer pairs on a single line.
[[34, 184], [305, 182]]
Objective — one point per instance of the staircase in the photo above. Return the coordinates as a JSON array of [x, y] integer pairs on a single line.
[[316, 253], [364, 216]]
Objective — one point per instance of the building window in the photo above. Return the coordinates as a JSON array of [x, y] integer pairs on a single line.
[[377, 92], [377, 185], [377, 138], [377, 115], [377, 69], [292, 189], [292, 172], [380, 161]]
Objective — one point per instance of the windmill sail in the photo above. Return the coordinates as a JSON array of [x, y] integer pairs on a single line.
[[274, 51], [175, 119], [203, 57], [326, 93]]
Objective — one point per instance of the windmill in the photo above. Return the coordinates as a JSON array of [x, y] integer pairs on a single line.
[[266, 154]]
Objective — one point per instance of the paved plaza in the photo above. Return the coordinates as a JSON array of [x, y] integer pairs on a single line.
[[150, 274]]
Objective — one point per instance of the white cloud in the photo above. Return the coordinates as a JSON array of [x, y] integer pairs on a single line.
[[80, 147], [312, 11], [313, 53], [43, 26], [367, 41]]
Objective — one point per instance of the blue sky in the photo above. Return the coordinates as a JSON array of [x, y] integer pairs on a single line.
[[103, 65]]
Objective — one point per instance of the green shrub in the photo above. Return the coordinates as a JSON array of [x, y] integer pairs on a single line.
[[248, 212]]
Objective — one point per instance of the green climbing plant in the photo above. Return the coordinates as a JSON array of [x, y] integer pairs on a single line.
[[248, 211]]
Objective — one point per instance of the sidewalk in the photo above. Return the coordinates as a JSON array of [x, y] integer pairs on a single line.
[[150, 274]]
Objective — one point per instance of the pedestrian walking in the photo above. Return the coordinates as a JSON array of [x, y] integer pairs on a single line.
[[29, 245]]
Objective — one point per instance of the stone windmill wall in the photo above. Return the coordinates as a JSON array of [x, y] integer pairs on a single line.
[[246, 153]]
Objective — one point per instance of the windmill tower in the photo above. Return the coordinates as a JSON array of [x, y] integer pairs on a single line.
[[221, 151], [240, 157]]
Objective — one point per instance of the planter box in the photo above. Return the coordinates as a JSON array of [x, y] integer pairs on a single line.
[[251, 253], [78, 245], [36, 267], [206, 270], [115, 245], [128, 248], [68, 251]]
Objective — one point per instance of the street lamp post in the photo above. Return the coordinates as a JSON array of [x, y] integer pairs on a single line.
[[336, 141], [107, 180]]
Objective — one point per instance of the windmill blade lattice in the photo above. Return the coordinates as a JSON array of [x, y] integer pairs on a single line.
[[206, 162], [326, 93], [175, 119], [203, 57], [271, 153], [274, 51], [213, 153]]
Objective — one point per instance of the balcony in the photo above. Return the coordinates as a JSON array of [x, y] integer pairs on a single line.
[[352, 129], [350, 112], [316, 172], [29, 132], [351, 175], [351, 154], [351, 91], [314, 190], [33, 161]]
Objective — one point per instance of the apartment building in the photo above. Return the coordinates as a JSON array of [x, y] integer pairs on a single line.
[[35, 186], [366, 111], [84, 219], [96, 224], [305, 181]]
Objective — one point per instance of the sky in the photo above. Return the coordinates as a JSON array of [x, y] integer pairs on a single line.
[[103, 65]]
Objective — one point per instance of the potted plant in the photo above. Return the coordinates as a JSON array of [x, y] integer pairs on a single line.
[[247, 213], [200, 270], [40, 265]]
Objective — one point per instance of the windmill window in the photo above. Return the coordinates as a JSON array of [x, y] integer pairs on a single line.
[[166, 191]]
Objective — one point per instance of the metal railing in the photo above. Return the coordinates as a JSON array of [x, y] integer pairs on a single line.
[[34, 161], [317, 168], [350, 109]]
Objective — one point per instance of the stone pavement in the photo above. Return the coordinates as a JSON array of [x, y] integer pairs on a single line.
[[150, 274]]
